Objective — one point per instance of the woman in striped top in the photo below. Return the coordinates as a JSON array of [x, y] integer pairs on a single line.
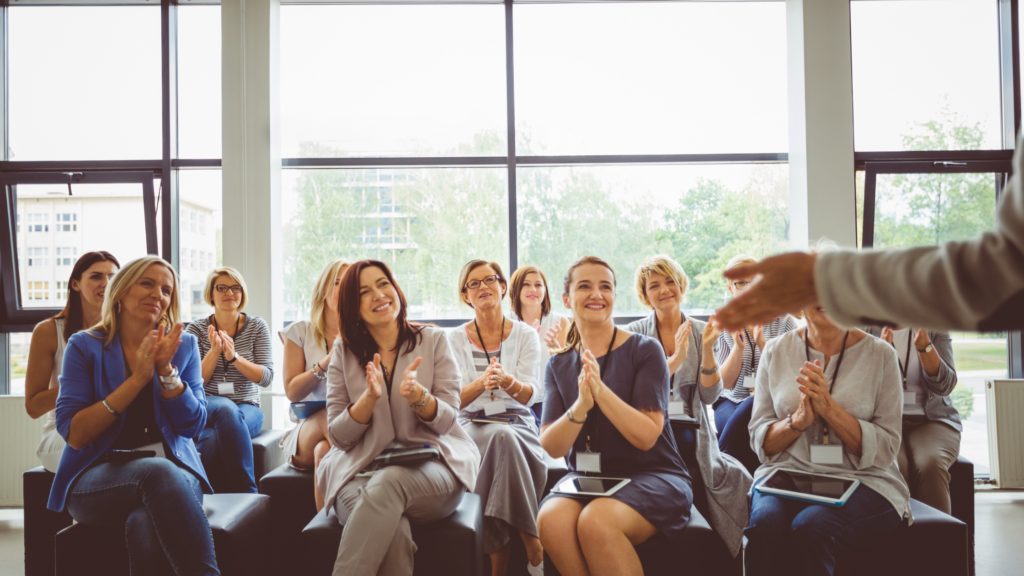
[[499, 361], [739, 354], [237, 362]]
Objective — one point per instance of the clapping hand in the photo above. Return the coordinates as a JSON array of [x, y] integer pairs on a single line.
[[804, 415], [592, 375], [499, 378], [813, 384], [164, 348], [228, 344], [887, 335], [711, 333], [921, 339], [216, 347], [409, 383], [374, 378], [551, 338], [682, 342]]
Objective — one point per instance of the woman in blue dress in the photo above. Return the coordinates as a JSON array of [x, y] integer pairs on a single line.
[[606, 406]]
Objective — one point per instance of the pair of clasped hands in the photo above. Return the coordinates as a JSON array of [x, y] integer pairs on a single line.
[[815, 398], [221, 343], [156, 352], [590, 384], [409, 385]]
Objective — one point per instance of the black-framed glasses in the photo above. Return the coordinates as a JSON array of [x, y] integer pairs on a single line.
[[741, 284], [489, 281], [224, 288]]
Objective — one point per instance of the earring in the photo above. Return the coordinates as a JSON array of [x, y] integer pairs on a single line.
[[117, 307]]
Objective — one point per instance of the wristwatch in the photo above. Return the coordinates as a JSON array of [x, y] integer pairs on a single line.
[[926, 350], [170, 382]]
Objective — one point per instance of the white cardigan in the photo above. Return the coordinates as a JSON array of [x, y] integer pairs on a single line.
[[520, 357]]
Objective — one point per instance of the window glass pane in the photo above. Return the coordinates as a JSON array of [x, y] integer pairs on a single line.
[[392, 80], [84, 82], [650, 77], [20, 343], [922, 209], [700, 215], [199, 199], [425, 225], [199, 82], [923, 68], [48, 247]]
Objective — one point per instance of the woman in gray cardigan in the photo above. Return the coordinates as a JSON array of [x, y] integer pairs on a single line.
[[720, 482], [931, 424], [370, 409]]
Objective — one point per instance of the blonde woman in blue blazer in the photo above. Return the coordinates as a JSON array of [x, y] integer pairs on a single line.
[[131, 388]]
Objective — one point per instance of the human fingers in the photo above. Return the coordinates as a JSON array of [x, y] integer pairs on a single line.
[[411, 370], [376, 362]]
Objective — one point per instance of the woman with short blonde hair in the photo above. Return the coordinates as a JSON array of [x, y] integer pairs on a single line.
[[237, 362], [131, 390], [308, 346]]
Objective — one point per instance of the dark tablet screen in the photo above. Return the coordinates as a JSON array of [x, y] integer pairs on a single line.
[[814, 484]]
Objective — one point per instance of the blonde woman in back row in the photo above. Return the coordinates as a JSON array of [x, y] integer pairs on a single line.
[[307, 353]]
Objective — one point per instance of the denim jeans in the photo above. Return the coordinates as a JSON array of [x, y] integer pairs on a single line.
[[159, 507], [686, 443], [787, 536], [733, 423], [225, 445]]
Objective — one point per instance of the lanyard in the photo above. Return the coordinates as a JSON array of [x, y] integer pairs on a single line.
[[592, 430], [223, 361], [807, 352], [753, 352], [904, 368], [657, 331], [501, 341], [389, 375]]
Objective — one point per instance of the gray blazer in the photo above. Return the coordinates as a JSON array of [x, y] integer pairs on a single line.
[[726, 481], [355, 444], [939, 406]]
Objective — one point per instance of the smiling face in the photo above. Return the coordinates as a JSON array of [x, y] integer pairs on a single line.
[[230, 300], [484, 296], [149, 298], [93, 285], [378, 299], [591, 294], [663, 292], [533, 291]]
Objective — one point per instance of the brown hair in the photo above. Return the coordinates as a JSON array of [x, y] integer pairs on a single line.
[[354, 333], [72, 312], [573, 338], [473, 265], [518, 279]]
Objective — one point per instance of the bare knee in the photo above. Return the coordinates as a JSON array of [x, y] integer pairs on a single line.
[[321, 450], [594, 528], [556, 525]]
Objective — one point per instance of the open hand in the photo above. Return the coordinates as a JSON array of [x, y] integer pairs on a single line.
[[784, 283], [409, 383], [551, 338], [164, 348], [215, 344], [228, 344], [374, 378], [682, 342], [886, 335]]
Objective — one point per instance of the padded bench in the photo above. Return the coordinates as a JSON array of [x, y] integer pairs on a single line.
[[292, 506], [41, 523], [240, 525], [266, 452], [452, 546], [961, 494]]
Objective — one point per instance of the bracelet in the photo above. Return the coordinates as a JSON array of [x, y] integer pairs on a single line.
[[708, 371], [109, 407], [315, 375], [423, 400], [789, 422], [568, 414]]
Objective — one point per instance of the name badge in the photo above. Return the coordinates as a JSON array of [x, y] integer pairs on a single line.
[[225, 388], [909, 397], [496, 407], [748, 382], [826, 454], [588, 462], [676, 408], [157, 447]]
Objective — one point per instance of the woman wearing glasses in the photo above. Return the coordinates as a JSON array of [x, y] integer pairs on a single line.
[[237, 358], [499, 359], [739, 354]]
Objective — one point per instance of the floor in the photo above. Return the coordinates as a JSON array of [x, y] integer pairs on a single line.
[[999, 521]]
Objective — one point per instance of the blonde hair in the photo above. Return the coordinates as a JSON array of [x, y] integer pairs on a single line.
[[235, 275], [473, 265], [322, 289], [120, 285], [738, 260], [663, 265]]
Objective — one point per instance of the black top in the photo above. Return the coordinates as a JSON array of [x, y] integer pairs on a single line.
[[140, 428]]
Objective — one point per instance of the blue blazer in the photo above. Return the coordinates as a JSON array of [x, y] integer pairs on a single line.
[[91, 372]]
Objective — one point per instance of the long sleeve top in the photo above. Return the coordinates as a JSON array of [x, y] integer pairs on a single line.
[[252, 342], [520, 357]]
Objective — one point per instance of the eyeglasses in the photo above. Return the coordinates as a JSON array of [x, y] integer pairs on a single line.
[[741, 284], [489, 281], [224, 288]]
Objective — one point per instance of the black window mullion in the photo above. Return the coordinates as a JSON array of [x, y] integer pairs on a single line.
[[169, 88], [510, 104]]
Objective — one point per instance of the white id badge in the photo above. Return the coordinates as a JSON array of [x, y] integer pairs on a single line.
[[225, 388], [748, 382], [826, 454], [909, 397], [588, 462], [157, 447], [496, 407], [676, 408]]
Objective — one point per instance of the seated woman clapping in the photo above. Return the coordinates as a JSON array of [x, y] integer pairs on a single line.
[[605, 406], [828, 401], [500, 363], [370, 410], [131, 389]]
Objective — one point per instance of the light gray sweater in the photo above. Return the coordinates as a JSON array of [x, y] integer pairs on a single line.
[[868, 387]]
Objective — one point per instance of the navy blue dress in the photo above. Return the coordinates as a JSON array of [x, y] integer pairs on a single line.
[[660, 488]]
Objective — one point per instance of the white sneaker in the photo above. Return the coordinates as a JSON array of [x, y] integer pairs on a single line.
[[537, 570]]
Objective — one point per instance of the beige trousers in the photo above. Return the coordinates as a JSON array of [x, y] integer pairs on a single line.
[[377, 539], [927, 451]]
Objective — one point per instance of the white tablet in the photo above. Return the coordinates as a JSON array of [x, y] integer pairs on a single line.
[[589, 486], [826, 489]]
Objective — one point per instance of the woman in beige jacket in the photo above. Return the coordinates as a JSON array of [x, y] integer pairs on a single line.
[[370, 410]]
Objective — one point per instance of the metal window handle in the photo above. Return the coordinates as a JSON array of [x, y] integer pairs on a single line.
[[949, 164], [72, 177]]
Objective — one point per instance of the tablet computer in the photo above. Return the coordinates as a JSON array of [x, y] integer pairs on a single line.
[[816, 488], [493, 419], [589, 486], [303, 410]]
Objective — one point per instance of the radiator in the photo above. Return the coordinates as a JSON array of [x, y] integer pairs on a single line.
[[1004, 402], [19, 437]]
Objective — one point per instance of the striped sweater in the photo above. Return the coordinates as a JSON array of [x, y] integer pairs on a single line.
[[751, 355], [252, 342]]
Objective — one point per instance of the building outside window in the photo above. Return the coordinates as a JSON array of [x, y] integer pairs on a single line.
[[67, 222], [67, 256]]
